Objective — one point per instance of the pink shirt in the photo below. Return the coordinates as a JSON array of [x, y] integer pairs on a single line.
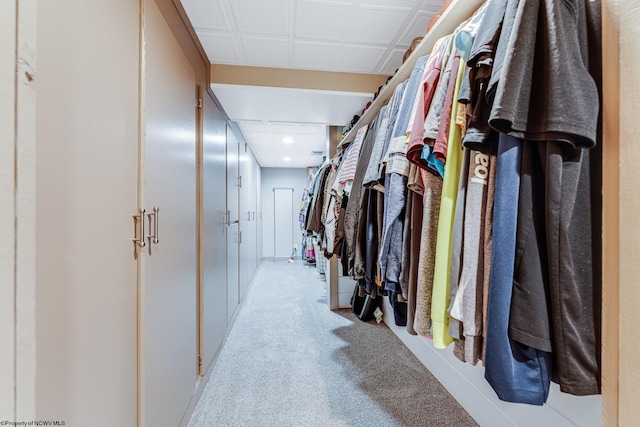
[[429, 84]]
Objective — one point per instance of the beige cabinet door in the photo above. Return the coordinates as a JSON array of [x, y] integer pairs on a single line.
[[168, 314], [86, 175], [213, 303]]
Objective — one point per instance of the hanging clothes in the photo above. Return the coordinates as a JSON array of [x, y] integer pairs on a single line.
[[440, 298], [396, 177], [564, 277], [356, 206], [475, 198]]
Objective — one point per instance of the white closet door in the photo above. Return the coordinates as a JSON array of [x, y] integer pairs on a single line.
[[233, 232], [248, 221], [254, 212], [282, 222], [214, 288], [169, 328], [245, 220], [86, 190]]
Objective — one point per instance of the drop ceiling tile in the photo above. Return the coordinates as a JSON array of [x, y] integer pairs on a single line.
[[314, 160], [392, 62], [283, 128], [258, 138], [323, 20], [261, 16], [433, 5], [304, 129], [302, 141], [209, 14], [221, 48], [257, 127], [360, 58], [266, 51], [256, 103], [405, 3], [320, 145], [417, 28], [377, 24], [314, 55]]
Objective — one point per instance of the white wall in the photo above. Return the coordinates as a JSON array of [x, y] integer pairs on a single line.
[[284, 178], [7, 201], [17, 212]]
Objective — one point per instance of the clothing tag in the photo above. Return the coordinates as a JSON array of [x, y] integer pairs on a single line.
[[378, 314]]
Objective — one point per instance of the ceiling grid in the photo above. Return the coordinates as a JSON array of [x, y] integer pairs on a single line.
[[339, 36]]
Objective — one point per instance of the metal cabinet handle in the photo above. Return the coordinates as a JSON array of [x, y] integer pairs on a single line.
[[138, 220], [155, 238]]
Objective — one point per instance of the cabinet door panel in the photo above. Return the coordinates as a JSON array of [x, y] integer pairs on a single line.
[[214, 288], [169, 329], [233, 245], [86, 191]]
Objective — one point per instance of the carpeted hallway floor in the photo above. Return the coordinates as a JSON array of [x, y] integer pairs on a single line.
[[290, 361]]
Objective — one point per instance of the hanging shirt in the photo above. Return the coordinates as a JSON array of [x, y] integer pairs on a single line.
[[440, 297], [354, 209], [370, 178], [546, 64], [351, 159], [425, 94], [396, 154]]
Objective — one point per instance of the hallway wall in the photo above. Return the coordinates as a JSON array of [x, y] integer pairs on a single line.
[[17, 213], [7, 199], [280, 177]]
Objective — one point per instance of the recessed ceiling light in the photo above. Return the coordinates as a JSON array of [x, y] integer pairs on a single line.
[[288, 140], [287, 159]]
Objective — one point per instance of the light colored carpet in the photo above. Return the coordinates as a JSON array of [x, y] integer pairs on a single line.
[[290, 361]]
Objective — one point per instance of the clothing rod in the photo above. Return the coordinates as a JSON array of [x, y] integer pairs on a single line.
[[454, 15]]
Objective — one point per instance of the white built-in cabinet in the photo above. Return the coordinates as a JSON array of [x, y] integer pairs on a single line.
[[140, 247]]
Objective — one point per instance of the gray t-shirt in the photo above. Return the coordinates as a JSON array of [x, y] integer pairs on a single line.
[[545, 91]]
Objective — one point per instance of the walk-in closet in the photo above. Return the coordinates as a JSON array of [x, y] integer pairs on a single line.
[[319, 212]]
